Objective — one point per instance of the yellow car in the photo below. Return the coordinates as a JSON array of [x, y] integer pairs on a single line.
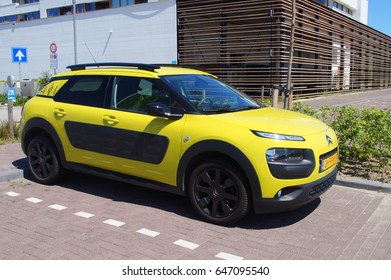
[[179, 130]]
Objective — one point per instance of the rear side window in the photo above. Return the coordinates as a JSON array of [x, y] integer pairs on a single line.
[[52, 88], [84, 90]]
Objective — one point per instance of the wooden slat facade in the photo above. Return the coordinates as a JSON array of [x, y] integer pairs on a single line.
[[246, 43]]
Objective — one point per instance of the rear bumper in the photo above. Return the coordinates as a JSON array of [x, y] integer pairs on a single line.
[[296, 197]]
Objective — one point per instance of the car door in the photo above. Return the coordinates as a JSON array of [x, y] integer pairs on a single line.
[[76, 111], [135, 142]]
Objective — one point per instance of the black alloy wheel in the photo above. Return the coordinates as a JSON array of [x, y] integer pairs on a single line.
[[218, 193], [43, 160]]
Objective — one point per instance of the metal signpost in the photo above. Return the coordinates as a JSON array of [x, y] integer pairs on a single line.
[[11, 99]]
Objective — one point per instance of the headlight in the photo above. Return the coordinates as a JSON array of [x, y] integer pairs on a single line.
[[284, 155], [286, 163], [278, 136]]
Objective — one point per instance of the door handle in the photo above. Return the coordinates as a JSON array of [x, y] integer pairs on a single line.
[[59, 113], [110, 120]]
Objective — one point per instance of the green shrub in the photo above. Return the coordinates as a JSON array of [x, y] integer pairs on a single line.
[[19, 100], [364, 134], [43, 80]]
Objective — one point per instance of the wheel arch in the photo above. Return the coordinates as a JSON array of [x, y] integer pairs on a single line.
[[39, 126], [215, 148]]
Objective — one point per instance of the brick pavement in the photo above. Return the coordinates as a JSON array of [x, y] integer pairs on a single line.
[[344, 223]]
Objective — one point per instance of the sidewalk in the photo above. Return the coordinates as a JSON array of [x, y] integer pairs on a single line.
[[13, 162]]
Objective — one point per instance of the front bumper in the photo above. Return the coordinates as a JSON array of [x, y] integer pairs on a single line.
[[296, 196]]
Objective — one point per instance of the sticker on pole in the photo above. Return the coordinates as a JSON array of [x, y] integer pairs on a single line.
[[11, 95]]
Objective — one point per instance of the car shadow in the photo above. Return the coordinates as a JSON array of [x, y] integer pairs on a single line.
[[180, 205]]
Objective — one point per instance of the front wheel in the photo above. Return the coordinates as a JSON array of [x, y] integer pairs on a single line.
[[217, 192], [43, 160]]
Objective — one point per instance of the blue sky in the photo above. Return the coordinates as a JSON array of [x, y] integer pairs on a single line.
[[379, 15]]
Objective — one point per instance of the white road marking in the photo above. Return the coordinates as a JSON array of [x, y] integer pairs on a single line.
[[148, 232], [57, 207], [114, 223], [13, 194], [34, 200], [226, 256], [186, 244], [84, 214]]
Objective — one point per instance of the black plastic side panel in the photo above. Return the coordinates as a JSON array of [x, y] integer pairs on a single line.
[[123, 143]]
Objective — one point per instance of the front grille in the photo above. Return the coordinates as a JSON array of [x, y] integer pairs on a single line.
[[322, 187]]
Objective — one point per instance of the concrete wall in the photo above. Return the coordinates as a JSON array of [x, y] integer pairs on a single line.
[[138, 33]]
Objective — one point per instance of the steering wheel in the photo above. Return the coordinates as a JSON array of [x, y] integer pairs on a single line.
[[206, 101]]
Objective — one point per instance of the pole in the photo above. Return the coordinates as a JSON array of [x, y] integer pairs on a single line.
[[10, 118], [288, 100], [275, 97], [74, 30]]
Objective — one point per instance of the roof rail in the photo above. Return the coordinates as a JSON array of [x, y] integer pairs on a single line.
[[141, 66], [191, 66]]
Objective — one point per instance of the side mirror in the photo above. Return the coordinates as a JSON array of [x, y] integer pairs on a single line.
[[162, 110]]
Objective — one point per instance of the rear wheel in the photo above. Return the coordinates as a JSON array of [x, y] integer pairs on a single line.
[[43, 160], [218, 193]]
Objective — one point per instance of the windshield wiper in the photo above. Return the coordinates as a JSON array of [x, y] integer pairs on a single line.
[[250, 107], [227, 109]]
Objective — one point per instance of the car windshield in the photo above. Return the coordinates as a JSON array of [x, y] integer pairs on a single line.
[[210, 95]]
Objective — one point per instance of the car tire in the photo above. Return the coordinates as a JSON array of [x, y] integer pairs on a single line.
[[217, 192], [43, 160]]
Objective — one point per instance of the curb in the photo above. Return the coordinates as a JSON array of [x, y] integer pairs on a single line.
[[11, 174], [358, 183], [351, 182]]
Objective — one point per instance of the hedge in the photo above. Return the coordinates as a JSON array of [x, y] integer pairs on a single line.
[[364, 135]]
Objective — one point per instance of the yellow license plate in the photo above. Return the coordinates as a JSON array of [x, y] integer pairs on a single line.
[[329, 162]]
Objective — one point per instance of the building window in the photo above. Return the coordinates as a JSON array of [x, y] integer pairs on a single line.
[[28, 16], [24, 2], [123, 3], [88, 7], [339, 6], [55, 12], [8, 19]]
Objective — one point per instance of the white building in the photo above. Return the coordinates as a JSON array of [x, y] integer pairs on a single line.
[[356, 9], [108, 30]]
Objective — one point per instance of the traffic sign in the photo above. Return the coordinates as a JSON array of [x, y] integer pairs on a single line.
[[53, 60], [19, 55], [53, 48]]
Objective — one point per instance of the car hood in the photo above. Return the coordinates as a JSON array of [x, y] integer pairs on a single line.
[[275, 121]]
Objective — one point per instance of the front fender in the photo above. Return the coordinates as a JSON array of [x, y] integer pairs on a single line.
[[204, 149]]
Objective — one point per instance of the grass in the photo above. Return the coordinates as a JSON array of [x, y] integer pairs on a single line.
[[5, 136]]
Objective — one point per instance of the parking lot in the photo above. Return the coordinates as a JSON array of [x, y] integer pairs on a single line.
[[90, 218]]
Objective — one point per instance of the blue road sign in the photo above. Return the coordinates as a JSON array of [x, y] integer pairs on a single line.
[[19, 55]]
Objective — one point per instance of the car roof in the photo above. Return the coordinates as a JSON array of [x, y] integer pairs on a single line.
[[131, 69]]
